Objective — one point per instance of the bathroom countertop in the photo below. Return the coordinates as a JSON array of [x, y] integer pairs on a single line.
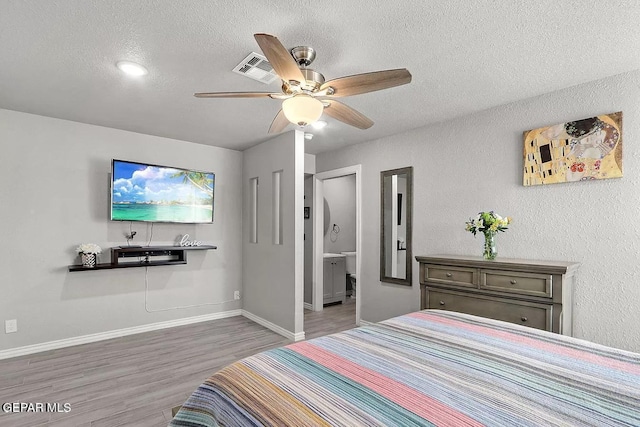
[[330, 255]]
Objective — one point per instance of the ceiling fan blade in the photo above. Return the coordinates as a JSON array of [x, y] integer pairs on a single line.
[[279, 123], [367, 82], [279, 57], [235, 95], [348, 115]]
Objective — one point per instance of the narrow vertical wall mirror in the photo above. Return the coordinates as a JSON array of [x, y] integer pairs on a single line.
[[396, 197]]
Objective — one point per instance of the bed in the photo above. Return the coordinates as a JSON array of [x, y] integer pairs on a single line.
[[426, 368]]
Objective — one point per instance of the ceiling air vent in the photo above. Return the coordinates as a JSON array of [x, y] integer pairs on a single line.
[[256, 67]]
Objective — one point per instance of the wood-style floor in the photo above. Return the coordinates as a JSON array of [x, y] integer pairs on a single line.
[[136, 380]]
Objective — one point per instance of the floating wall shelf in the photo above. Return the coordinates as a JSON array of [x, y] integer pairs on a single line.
[[171, 255]]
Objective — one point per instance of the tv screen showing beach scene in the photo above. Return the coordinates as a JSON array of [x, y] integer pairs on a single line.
[[145, 192]]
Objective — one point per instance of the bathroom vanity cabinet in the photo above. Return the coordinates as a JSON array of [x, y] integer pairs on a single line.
[[334, 287]]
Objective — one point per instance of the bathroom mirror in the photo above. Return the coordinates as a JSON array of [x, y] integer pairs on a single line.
[[396, 196]]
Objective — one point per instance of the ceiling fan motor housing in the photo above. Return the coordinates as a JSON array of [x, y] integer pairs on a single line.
[[304, 55], [313, 81]]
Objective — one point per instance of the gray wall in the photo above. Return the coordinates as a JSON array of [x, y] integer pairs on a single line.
[[474, 163], [308, 240], [55, 196], [340, 209], [273, 274]]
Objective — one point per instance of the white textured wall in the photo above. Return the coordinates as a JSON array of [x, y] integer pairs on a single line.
[[475, 163], [55, 195], [340, 209]]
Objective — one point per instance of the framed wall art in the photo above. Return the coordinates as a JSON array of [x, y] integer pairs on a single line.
[[581, 150]]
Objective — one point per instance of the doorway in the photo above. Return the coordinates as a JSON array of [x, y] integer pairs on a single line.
[[319, 233]]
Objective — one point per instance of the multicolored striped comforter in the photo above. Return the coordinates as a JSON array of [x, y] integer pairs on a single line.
[[423, 369]]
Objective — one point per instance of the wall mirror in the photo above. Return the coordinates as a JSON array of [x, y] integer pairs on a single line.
[[396, 195]]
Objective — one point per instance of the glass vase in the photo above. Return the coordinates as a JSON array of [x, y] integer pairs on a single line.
[[490, 251]]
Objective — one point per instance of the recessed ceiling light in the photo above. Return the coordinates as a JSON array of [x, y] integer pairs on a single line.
[[319, 124], [308, 135], [131, 68]]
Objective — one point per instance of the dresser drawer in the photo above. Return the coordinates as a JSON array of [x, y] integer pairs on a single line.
[[517, 283], [519, 312], [459, 276]]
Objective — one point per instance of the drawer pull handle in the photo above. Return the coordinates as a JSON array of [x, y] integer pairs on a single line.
[[513, 282], [441, 302], [524, 319], [449, 274]]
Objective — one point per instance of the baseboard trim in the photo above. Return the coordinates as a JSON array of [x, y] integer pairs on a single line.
[[275, 328], [85, 339], [308, 306], [365, 323]]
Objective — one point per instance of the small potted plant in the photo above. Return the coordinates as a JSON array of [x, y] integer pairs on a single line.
[[88, 252]]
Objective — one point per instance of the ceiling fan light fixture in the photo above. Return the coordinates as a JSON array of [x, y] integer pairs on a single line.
[[302, 109], [132, 69]]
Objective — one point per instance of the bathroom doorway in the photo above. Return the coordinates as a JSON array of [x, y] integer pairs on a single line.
[[337, 236]]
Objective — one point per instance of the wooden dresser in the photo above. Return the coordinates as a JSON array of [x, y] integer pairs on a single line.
[[532, 293]]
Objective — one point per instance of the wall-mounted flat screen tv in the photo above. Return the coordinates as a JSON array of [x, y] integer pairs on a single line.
[[146, 192]]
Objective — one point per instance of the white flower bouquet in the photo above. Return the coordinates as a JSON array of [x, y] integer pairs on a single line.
[[487, 222], [89, 248]]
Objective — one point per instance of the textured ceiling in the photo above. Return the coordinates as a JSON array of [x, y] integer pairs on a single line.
[[58, 59]]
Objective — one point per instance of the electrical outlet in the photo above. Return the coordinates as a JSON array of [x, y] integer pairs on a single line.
[[236, 295], [11, 326]]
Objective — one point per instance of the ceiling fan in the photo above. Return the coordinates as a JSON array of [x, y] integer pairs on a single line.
[[305, 94]]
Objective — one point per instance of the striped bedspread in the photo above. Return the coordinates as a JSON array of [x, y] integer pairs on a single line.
[[422, 369]]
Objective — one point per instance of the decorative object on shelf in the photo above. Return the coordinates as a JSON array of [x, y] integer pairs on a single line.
[[582, 150], [88, 252], [185, 242], [488, 223], [88, 260]]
